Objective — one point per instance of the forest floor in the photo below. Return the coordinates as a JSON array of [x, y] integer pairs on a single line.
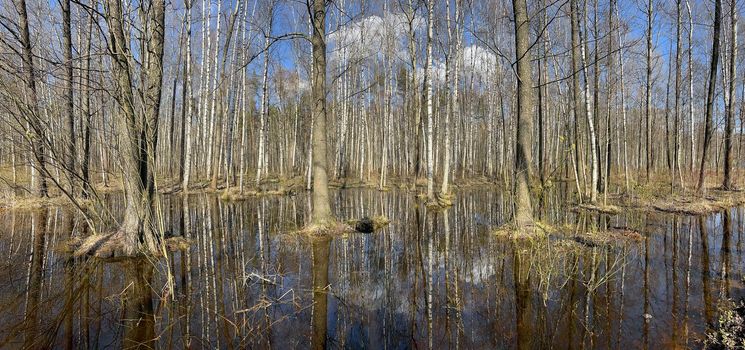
[[656, 194]]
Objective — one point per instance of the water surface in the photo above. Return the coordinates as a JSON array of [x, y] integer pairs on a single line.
[[428, 280]]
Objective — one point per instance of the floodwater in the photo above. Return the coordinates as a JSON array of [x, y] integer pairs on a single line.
[[428, 280]]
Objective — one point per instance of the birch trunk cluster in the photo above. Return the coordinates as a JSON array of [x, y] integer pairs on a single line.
[[254, 96]]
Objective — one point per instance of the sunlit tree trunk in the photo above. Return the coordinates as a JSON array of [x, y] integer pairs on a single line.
[[211, 101], [523, 208], [598, 166], [187, 110], [453, 107], [577, 107], [321, 203], [594, 171], [428, 91]]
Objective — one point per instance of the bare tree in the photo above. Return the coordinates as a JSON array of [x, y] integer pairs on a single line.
[[595, 170], [648, 90], [187, 110], [321, 204], [138, 132], [261, 167], [31, 114], [729, 133], [710, 94], [523, 209], [428, 99], [70, 155], [676, 127]]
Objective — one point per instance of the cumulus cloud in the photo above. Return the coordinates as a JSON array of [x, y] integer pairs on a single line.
[[370, 36], [478, 61]]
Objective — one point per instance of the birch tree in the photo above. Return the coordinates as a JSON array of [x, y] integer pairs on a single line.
[[428, 99]]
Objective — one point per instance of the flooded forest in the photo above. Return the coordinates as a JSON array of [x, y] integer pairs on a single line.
[[354, 174]]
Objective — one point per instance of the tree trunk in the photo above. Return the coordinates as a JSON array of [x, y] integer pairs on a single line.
[[428, 92], [710, 94], [576, 106], [676, 127], [70, 155], [321, 204], [523, 212], [138, 131], [690, 87], [187, 109], [648, 90], [263, 114], [623, 114], [594, 170], [729, 133], [32, 117], [87, 112], [453, 107], [415, 96]]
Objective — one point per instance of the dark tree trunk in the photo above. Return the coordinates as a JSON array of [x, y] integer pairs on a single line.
[[70, 154], [31, 114], [138, 131], [729, 133], [710, 94]]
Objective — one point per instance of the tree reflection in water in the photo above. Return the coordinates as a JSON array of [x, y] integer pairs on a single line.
[[429, 279]]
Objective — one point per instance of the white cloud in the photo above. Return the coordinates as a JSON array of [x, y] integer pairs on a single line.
[[371, 36]]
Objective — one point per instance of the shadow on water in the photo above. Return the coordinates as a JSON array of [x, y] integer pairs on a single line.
[[428, 280]]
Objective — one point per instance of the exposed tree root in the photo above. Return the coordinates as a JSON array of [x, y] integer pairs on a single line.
[[114, 245], [329, 228], [104, 246]]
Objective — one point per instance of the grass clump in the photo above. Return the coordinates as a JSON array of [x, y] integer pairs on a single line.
[[329, 228]]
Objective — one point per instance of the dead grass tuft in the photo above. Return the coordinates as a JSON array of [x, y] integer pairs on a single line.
[[510, 230], [600, 208]]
